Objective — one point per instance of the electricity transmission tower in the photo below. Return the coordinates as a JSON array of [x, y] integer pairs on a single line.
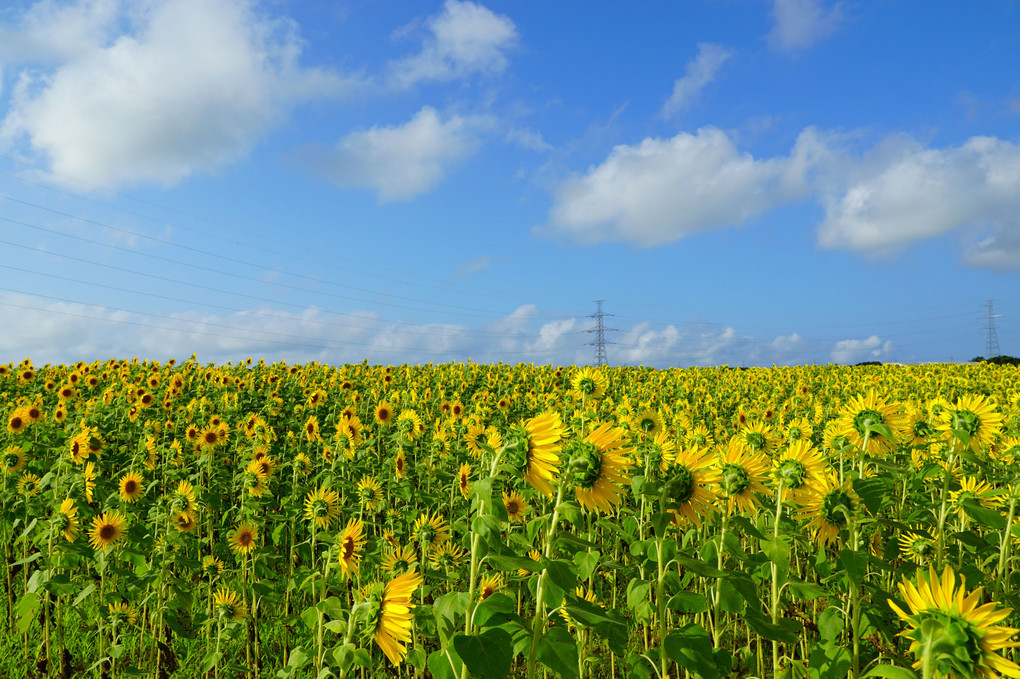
[[992, 344], [600, 331]]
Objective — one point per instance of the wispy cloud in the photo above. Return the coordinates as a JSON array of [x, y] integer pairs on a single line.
[[699, 72], [801, 23]]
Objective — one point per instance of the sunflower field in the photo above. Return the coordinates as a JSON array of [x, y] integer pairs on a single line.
[[463, 520]]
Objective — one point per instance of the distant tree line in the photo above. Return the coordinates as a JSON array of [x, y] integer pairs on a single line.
[[997, 360]]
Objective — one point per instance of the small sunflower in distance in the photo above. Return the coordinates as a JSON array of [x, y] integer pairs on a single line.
[[489, 585], [384, 413], [862, 414], [349, 547], [917, 546], [243, 539], [517, 507], [121, 614], [211, 566], [322, 506], [131, 487], [952, 631], [28, 484], [446, 556], [369, 493], [107, 530], [430, 530], [67, 519], [649, 422], [14, 459], [464, 480], [400, 559], [590, 382], [227, 605]]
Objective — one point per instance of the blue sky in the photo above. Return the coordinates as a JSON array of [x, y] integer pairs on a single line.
[[744, 182]]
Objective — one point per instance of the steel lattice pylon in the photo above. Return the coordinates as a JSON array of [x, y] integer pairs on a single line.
[[600, 331]]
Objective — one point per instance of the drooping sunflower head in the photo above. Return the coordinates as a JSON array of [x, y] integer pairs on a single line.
[[446, 556], [532, 450], [390, 615], [183, 498], [960, 636], [121, 614]]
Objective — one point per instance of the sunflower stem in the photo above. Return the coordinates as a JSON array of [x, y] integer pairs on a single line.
[[1004, 544], [539, 622]]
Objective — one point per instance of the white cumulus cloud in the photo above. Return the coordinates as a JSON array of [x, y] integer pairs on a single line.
[[858, 350], [801, 23], [903, 192], [699, 73], [401, 161], [662, 190], [157, 91], [465, 38]]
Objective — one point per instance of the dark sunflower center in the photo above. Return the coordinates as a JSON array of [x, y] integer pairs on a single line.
[[130, 487], [107, 532], [512, 508], [245, 538], [347, 549]]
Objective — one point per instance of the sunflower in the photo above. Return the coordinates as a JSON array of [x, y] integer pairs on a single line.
[[797, 469], [478, 439], [687, 483], [590, 382], [243, 539], [950, 629], [302, 463], [430, 530], [212, 566], [649, 422], [798, 430], [400, 559], [121, 614], [67, 519], [489, 585], [322, 506], [917, 546], [227, 605], [400, 465], [369, 493], [759, 437], [28, 484], [409, 424], [391, 623], [18, 421], [384, 413], [741, 474], [183, 498], [516, 507], [350, 544], [464, 480], [862, 414], [973, 490], [446, 556], [184, 521], [14, 459], [598, 466], [312, 434], [131, 487], [107, 530], [829, 506], [973, 419], [534, 447], [211, 437], [89, 481]]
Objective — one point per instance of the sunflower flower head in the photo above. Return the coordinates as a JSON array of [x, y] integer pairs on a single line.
[[322, 506], [533, 449], [227, 605], [349, 547], [107, 530], [598, 467], [390, 615], [66, 519], [952, 630]]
